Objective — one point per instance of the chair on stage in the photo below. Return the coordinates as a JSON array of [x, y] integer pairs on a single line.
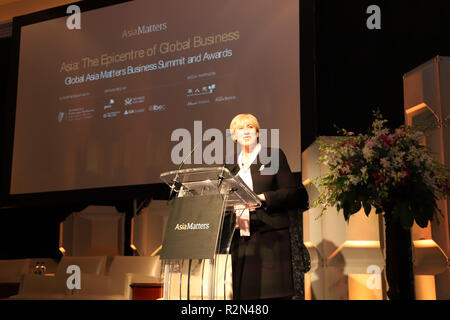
[[49, 287]]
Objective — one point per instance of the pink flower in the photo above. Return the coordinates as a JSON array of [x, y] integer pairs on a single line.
[[406, 173], [379, 178], [387, 140], [354, 144], [349, 163], [399, 133], [370, 144], [444, 186], [385, 163]]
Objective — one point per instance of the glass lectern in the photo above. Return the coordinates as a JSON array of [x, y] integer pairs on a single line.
[[199, 230]]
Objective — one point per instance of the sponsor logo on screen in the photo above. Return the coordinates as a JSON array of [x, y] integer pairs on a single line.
[[60, 117], [192, 92], [157, 107], [134, 100]]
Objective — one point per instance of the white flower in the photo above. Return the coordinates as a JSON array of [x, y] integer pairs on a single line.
[[354, 180], [367, 151], [364, 174], [397, 161]]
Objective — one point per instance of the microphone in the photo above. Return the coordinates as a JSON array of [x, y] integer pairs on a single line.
[[220, 178], [176, 184], [234, 169]]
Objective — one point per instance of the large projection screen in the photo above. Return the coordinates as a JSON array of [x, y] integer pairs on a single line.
[[96, 107]]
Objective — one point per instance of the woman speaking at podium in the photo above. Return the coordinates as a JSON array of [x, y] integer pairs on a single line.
[[261, 245]]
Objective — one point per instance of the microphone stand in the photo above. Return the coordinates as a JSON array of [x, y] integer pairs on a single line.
[[176, 184]]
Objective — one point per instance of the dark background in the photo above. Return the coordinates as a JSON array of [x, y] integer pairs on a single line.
[[347, 71]]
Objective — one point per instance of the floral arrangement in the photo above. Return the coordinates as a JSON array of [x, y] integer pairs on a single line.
[[391, 171]]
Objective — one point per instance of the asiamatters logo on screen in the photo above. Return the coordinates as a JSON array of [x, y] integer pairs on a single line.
[[144, 29], [191, 226]]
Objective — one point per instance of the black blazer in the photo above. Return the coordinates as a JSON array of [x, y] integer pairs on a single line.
[[281, 190]]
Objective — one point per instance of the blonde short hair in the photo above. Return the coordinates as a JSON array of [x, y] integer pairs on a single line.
[[244, 118]]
